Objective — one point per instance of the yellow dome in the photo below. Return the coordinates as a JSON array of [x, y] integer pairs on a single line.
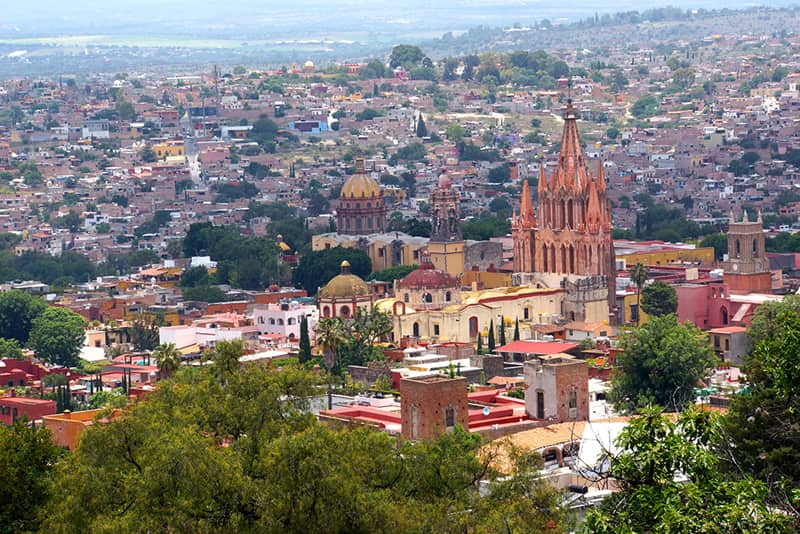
[[345, 285], [308, 64], [360, 185]]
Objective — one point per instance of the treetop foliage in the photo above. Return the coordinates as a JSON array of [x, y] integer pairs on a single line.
[[221, 448]]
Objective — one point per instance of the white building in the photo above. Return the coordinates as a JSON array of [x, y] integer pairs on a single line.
[[285, 318]]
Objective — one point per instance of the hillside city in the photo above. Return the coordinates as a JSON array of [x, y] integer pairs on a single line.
[[522, 289]]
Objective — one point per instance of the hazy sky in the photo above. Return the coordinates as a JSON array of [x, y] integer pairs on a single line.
[[167, 16]]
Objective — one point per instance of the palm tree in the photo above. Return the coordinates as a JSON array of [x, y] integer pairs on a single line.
[[639, 276], [330, 333], [169, 359]]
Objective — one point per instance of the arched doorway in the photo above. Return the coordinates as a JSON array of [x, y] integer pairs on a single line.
[[415, 329]]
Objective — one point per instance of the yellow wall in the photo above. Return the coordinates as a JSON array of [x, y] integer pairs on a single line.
[[489, 280], [169, 149], [630, 300], [704, 255], [447, 257], [380, 254]]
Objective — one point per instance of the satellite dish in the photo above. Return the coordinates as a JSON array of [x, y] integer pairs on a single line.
[[486, 410]]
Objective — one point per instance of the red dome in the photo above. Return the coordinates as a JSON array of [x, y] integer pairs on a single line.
[[428, 277]]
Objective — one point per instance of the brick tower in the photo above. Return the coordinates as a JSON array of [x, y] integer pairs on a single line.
[[747, 266], [433, 405]]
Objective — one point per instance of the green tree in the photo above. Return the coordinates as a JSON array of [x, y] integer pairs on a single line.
[[305, 341], [670, 481], [645, 107], [195, 276], [57, 336], [331, 333], [168, 358], [17, 312], [226, 448], [144, 331], [659, 298], [719, 242], [516, 329], [205, 293], [765, 324], [316, 268], [422, 130], [406, 56], [683, 78], [661, 363], [490, 344], [760, 429], [10, 349], [27, 461], [125, 110], [391, 274], [225, 358], [639, 276]]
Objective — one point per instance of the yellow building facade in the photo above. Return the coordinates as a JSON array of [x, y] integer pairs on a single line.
[[384, 250], [478, 309], [169, 149], [700, 256]]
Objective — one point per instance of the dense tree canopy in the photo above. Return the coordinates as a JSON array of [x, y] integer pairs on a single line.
[[57, 336], [316, 268], [220, 448], [762, 422], [670, 482], [17, 312], [27, 459], [660, 364], [659, 298], [248, 263]]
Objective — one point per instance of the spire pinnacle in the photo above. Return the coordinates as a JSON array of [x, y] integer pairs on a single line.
[[571, 167], [542, 186], [593, 211], [526, 205], [601, 179], [745, 218]]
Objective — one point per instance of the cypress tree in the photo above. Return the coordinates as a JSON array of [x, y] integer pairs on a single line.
[[490, 342], [305, 342], [516, 330], [422, 130], [479, 350], [502, 332]]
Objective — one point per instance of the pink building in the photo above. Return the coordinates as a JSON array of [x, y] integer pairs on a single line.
[[713, 306], [13, 407]]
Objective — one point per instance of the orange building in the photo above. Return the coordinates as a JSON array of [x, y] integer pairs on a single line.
[[66, 428]]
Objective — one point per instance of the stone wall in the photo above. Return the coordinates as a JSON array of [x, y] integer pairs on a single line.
[[483, 254], [368, 375]]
